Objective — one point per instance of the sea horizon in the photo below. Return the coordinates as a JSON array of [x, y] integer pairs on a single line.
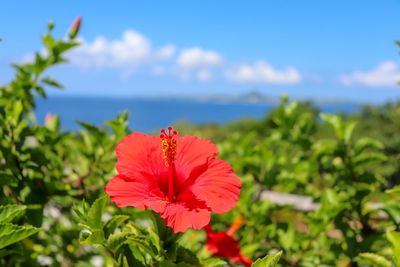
[[149, 114]]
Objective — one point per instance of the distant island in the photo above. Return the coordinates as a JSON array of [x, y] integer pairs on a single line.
[[251, 97]]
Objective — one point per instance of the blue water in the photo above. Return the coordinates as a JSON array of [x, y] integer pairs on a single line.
[[149, 115]]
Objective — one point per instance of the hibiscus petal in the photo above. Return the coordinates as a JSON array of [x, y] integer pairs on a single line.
[[180, 218], [140, 156], [218, 186], [186, 212], [139, 152], [128, 192], [191, 153]]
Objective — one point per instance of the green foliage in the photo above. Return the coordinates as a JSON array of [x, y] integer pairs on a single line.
[[44, 170], [375, 260], [342, 169], [12, 233], [131, 244]]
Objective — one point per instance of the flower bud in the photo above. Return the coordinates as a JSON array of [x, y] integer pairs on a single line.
[[74, 30], [52, 122]]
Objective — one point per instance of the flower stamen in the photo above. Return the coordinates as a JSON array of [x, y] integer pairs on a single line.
[[168, 145]]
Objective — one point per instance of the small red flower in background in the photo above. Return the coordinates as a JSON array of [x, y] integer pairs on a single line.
[[48, 118], [222, 244], [178, 177]]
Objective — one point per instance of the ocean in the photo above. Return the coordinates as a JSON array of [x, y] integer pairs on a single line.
[[149, 115]]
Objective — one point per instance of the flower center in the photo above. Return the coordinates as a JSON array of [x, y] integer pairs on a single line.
[[168, 145]]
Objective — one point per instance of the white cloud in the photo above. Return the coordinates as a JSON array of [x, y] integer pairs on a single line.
[[204, 75], [385, 74], [27, 58], [166, 52], [134, 50], [129, 52], [196, 57], [262, 72]]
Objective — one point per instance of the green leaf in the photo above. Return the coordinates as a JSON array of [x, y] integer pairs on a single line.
[[376, 260], [129, 256], [287, 237], [40, 90], [50, 25], [80, 209], [336, 122], [393, 190], [52, 82], [14, 109], [213, 262], [93, 219], [9, 212], [92, 129], [185, 255], [154, 238], [366, 143], [95, 236], [367, 158], [11, 233], [40, 64], [133, 256], [162, 230], [343, 129], [149, 248], [393, 210], [394, 239], [116, 240], [119, 124], [48, 41], [112, 224], [348, 132], [268, 261], [324, 147], [62, 47]]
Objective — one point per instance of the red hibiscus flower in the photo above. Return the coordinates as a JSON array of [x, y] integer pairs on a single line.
[[178, 177], [222, 244]]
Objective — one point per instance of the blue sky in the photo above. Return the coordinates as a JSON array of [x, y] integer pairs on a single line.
[[309, 49]]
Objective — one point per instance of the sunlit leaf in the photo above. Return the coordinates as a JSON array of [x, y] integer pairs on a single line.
[[11, 233], [394, 239], [95, 212], [10, 212], [375, 260], [268, 261]]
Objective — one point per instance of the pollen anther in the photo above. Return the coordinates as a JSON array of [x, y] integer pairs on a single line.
[[168, 145]]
